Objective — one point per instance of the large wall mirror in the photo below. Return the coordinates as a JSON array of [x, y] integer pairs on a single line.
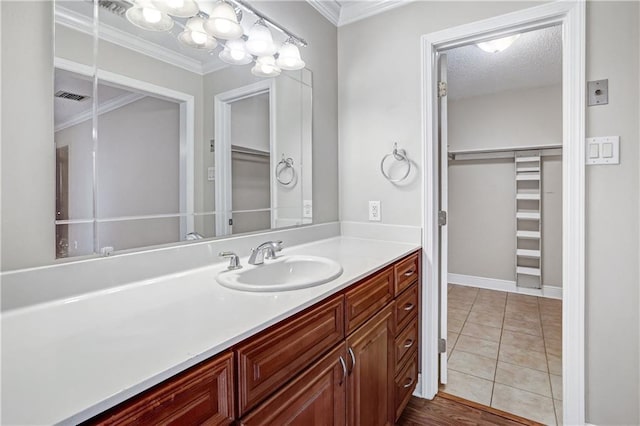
[[159, 141]]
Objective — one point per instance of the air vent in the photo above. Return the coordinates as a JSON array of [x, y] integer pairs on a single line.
[[117, 7], [71, 96]]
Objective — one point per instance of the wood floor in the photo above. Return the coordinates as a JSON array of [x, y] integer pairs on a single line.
[[447, 409]]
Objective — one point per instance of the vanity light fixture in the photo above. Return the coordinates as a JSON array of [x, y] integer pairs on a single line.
[[222, 22], [145, 15], [498, 45]]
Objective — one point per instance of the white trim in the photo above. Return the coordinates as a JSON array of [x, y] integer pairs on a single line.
[[103, 108], [572, 16], [358, 10], [84, 24], [328, 9], [222, 147], [187, 128], [548, 291]]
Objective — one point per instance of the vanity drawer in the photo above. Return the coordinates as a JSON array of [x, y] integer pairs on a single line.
[[367, 298], [406, 342], [406, 306], [407, 272], [201, 395], [405, 383], [274, 357]]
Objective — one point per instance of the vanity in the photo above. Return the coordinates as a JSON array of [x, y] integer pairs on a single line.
[[183, 349]]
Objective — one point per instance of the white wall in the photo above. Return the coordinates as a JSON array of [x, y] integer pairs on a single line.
[[481, 193], [379, 102]]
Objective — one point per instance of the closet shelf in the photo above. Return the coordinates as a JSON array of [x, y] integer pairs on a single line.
[[531, 235], [527, 159], [525, 214], [528, 253], [524, 196], [525, 270], [530, 176], [528, 169]]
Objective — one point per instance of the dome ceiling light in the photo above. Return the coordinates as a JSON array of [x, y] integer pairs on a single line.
[[498, 45]]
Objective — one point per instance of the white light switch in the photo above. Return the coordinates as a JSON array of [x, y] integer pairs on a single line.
[[211, 173], [307, 209], [603, 150]]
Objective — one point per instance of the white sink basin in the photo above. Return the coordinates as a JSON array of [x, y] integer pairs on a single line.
[[282, 273]]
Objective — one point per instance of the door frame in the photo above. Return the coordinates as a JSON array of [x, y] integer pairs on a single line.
[[222, 148], [571, 15]]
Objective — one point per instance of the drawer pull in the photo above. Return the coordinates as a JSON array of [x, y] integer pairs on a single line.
[[344, 370], [408, 307], [409, 273], [408, 343], [409, 383], [353, 360]]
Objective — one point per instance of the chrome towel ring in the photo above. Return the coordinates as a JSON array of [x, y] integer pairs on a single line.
[[398, 155], [282, 166]]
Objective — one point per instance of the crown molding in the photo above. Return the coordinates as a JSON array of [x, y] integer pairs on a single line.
[[78, 22], [330, 9], [103, 108], [351, 12]]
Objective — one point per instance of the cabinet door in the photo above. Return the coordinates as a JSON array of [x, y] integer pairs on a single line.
[[370, 359], [316, 397]]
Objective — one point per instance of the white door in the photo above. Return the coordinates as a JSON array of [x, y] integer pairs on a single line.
[[443, 154]]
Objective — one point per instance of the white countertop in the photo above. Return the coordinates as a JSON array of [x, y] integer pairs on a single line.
[[66, 361]]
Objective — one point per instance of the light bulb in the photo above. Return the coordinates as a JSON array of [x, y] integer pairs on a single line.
[[234, 53], [289, 57], [266, 67], [179, 8], [498, 45], [150, 15], [260, 41], [175, 4], [237, 54], [198, 37], [223, 22]]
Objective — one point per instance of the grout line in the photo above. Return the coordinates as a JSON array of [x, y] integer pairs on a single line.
[[504, 318], [546, 357]]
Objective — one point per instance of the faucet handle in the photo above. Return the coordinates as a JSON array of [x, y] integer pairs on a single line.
[[277, 245], [234, 260]]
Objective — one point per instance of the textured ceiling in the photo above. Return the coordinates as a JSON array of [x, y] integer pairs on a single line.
[[533, 60]]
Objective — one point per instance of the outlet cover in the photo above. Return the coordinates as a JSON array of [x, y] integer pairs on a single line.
[[307, 209], [374, 211], [211, 174]]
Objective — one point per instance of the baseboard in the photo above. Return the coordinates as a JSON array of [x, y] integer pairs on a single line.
[[382, 231], [418, 390], [551, 292]]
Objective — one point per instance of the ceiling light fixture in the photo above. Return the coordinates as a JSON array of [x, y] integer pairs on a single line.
[[203, 30], [497, 45]]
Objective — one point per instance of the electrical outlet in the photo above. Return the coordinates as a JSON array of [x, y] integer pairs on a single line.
[[307, 209], [211, 174], [374, 211]]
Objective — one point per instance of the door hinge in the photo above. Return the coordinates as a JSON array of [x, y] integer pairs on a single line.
[[442, 218], [442, 89], [442, 346]]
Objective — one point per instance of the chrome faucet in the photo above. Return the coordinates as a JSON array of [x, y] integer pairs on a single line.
[[234, 261], [264, 251]]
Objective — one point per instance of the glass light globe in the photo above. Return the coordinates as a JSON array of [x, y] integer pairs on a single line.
[[144, 15], [260, 41], [195, 36], [234, 53], [498, 45], [289, 57], [179, 8], [223, 22], [266, 67]]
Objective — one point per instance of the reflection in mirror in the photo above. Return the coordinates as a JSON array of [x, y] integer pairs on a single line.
[[147, 161]]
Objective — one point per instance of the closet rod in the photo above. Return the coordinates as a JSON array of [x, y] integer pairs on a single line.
[[250, 151], [479, 154]]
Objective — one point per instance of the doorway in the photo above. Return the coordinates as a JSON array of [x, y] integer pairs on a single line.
[[571, 18]]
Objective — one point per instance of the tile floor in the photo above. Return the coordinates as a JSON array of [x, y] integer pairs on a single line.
[[505, 351]]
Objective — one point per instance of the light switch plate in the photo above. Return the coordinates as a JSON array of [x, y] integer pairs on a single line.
[[598, 91], [374, 211], [307, 209], [603, 150], [211, 173]]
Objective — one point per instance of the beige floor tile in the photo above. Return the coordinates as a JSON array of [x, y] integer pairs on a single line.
[[523, 403], [455, 303], [485, 348], [489, 319], [553, 346], [476, 365], [457, 314], [530, 317], [452, 338], [468, 387], [482, 331], [523, 341], [488, 307], [522, 298], [555, 364], [454, 325], [525, 327], [523, 357], [523, 378], [556, 386], [559, 416], [531, 310], [552, 332]]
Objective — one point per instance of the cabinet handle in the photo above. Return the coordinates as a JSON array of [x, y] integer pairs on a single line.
[[344, 370], [408, 307], [406, 385], [409, 273], [408, 343], [353, 360]]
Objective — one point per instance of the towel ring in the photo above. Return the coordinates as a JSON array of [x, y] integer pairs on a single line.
[[398, 155], [284, 164]]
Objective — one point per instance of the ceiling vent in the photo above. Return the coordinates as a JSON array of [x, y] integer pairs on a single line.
[[71, 96], [117, 7]]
